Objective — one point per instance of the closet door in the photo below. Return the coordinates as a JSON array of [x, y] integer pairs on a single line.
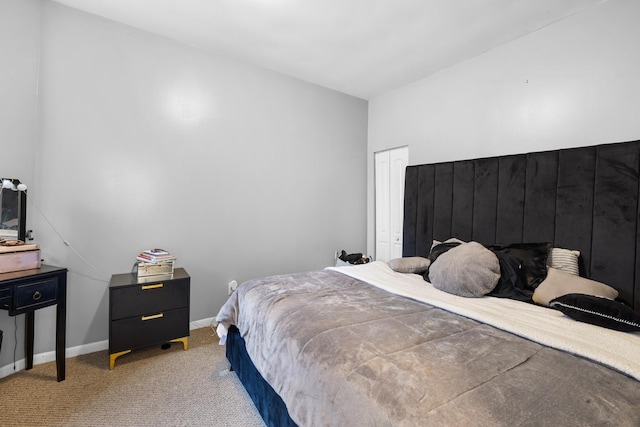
[[383, 190], [398, 163], [390, 168]]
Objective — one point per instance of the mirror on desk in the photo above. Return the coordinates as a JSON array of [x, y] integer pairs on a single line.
[[13, 212]]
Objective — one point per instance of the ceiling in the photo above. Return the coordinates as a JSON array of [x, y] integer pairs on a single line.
[[362, 48]]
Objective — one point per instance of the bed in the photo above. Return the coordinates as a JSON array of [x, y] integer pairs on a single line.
[[369, 345]]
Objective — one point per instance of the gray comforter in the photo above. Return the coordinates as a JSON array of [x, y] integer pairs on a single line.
[[341, 352]]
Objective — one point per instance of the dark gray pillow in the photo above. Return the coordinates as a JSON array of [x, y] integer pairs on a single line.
[[468, 270]]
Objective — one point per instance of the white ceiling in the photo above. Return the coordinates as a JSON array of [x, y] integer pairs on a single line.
[[360, 47]]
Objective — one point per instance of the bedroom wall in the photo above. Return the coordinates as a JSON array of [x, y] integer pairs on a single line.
[[19, 37], [19, 44], [145, 142], [573, 83]]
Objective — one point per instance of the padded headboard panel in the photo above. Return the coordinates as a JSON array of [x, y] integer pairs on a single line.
[[579, 198]]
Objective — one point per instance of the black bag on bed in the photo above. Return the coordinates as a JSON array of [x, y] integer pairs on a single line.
[[355, 259]]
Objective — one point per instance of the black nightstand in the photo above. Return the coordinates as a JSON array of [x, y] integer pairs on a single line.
[[147, 311]]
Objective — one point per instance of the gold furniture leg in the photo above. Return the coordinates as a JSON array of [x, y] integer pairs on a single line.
[[184, 341], [114, 356]]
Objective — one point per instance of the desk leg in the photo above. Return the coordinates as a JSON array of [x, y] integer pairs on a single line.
[[61, 328], [28, 338]]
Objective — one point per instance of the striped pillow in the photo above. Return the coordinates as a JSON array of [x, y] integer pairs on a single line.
[[565, 260]]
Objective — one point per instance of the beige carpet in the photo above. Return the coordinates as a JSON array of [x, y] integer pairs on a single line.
[[150, 387]]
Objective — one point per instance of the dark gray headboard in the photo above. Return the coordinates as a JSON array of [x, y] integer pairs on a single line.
[[579, 198]]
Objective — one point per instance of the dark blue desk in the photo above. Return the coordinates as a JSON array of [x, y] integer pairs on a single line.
[[24, 292]]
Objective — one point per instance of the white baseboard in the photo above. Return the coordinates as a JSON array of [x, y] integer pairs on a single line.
[[203, 323], [8, 370], [79, 350]]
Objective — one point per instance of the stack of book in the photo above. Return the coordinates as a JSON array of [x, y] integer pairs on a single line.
[[156, 256], [154, 262]]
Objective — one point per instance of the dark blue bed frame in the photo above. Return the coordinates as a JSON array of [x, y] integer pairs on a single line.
[[270, 406]]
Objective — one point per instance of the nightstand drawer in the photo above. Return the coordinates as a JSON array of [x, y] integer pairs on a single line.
[[41, 293], [150, 329], [155, 297]]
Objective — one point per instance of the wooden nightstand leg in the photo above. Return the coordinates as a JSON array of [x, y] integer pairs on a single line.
[[184, 341], [114, 356]]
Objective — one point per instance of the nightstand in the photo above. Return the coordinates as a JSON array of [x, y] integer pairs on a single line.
[[145, 311]]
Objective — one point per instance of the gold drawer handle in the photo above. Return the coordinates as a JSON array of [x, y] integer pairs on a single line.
[[156, 286], [37, 295], [153, 316]]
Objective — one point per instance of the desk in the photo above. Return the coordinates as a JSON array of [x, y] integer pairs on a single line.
[[24, 292]]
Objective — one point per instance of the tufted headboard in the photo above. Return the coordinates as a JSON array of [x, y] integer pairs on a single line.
[[579, 198]]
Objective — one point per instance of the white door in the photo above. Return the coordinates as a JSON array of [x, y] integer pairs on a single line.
[[382, 197], [390, 168]]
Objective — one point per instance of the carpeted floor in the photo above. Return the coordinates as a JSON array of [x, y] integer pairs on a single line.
[[150, 387]]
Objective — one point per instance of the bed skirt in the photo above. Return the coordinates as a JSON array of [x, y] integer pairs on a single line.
[[270, 406]]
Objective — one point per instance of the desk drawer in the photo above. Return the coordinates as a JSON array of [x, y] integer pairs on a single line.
[[155, 297], [5, 298], [154, 328], [40, 293]]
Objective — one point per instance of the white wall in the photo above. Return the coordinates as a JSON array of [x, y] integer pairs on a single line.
[[573, 83], [19, 37], [145, 142], [19, 41]]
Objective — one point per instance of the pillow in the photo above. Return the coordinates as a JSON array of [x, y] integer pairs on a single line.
[[451, 240], [438, 248], [512, 283], [533, 257], [414, 264], [559, 283], [565, 260], [598, 311], [468, 270]]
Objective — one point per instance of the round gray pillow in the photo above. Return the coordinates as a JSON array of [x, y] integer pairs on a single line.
[[468, 270]]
